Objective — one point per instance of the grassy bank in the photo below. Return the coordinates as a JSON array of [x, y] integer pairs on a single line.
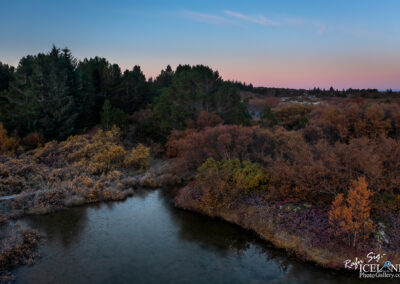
[[299, 228]]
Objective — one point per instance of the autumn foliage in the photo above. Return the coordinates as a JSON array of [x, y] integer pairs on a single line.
[[84, 168], [139, 157], [309, 160], [352, 215], [348, 119], [96, 154], [315, 172], [7, 144], [227, 181], [32, 140], [207, 119], [17, 246], [191, 147]]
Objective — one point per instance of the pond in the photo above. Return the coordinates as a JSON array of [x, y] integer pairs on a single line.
[[144, 239]]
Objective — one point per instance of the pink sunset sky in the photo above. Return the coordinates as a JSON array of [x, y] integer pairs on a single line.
[[288, 43]]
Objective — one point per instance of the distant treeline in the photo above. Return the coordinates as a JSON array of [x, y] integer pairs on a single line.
[[317, 92], [54, 95]]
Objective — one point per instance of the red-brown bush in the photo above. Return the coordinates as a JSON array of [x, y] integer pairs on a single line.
[[307, 172], [348, 120], [32, 140]]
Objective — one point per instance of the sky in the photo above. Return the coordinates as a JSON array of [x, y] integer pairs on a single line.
[[285, 43]]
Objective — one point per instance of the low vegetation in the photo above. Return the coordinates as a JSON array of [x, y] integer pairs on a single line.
[[334, 180], [84, 168], [17, 246], [224, 183], [8, 145]]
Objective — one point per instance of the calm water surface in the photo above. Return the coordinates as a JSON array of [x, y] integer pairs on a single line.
[[144, 239]]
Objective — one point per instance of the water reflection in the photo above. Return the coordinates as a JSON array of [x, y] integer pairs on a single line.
[[210, 234], [146, 240], [221, 237], [64, 226]]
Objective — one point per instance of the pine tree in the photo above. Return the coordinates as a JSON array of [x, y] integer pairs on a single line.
[[106, 116], [44, 94], [113, 116]]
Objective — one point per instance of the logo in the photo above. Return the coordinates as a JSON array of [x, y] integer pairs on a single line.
[[374, 265]]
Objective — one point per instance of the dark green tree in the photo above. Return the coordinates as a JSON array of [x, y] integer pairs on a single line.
[[163, 81], [100, 81], [193, 90], [113, 116], [120, 119], [132, 92], [106, 116], [44, 95], [6, 76]]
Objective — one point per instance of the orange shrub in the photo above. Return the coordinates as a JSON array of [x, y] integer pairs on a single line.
[[351, 216], [86, 181], [94, 193], [107, 194], [95, 154], [350, 119], [7, 144], [139, 157], [111, 157]]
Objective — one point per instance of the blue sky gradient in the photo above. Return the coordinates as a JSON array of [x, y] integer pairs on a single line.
[[286, 43]]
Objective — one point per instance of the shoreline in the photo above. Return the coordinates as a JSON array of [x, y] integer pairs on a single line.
[[255, 218], [250, 217]]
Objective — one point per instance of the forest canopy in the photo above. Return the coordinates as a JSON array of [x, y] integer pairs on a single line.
[[56, 95]]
